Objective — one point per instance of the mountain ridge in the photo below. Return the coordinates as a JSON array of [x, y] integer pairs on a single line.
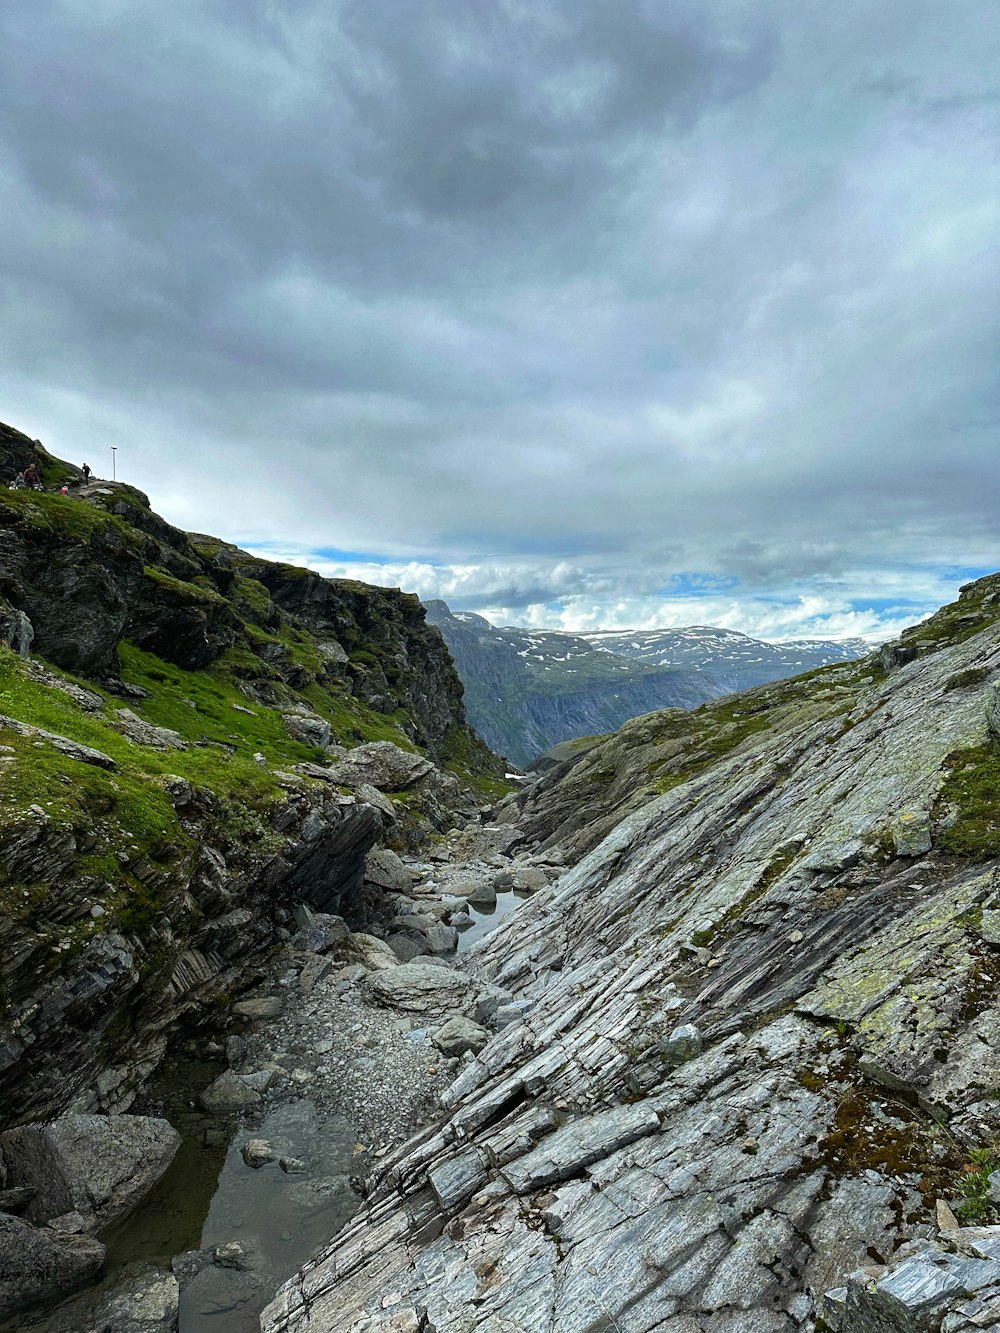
[[528, 690]]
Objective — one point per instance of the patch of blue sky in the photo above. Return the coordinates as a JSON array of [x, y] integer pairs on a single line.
[[361, 557], [964, 573], [694, 584], [880, 605]]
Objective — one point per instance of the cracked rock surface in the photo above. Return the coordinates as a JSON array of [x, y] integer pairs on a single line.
[[840, 980]]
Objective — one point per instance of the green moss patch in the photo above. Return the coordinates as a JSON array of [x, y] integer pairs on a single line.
[[971, 793]]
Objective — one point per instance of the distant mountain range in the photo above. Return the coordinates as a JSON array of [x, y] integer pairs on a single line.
[[527, 690]]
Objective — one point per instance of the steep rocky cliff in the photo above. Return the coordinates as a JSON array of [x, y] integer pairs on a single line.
[[527, 690], [752, 1052], [170, 712]]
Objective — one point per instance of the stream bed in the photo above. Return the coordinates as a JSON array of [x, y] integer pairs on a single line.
[[278, 1214]]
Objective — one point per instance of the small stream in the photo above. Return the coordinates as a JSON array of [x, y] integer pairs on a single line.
[[485, 921], [209, 1196]]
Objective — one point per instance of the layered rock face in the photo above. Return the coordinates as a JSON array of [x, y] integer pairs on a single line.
[[758, 1058]]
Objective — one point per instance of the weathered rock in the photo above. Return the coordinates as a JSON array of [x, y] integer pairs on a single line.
[[37, 1264], [97, 1166], [139, 1300], [85, 754], [234, 1092], [381, 764], [683, 1044], [478, 893], [406, 946], [441, 939], [144, 733], [416, 988], [257, 1153], [911, 833], [368, 951], [384, 868], [309, 728], [459, 1035]]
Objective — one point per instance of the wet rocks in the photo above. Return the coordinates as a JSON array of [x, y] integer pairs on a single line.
[[96, 1166], [39, 1264], [139, 1300], [236, 1092], [257, 1153]]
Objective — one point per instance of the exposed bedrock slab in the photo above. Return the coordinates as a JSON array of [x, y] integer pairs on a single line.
[[581, 1179]]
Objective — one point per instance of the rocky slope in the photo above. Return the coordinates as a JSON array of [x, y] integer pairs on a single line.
[[192, 741], [527, 690], [751, 1073]]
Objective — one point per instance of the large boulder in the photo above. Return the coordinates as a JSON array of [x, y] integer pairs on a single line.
[[97, 1166], [381, 764], [37, 1264], [423, 990], [384, 868]]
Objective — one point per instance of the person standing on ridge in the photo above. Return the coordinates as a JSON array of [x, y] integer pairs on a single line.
[[86, 473]]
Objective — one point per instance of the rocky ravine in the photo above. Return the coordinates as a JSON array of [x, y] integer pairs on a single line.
[[756, 1059]]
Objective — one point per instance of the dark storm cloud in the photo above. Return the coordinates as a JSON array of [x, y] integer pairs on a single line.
[[632, 289]]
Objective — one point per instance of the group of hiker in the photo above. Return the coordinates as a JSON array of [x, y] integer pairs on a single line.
[[31, 479]]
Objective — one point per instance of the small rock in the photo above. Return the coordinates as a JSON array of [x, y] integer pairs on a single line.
[[683, 1044], [459, 1035], [257, 1152]]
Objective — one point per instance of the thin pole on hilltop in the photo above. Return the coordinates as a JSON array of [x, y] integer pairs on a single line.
[[114, 452]]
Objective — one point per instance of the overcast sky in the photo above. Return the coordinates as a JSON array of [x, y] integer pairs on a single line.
[[574, 312]]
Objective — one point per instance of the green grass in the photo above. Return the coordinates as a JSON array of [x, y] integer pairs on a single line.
[[976, 1206], [182, 590], [71, 519]]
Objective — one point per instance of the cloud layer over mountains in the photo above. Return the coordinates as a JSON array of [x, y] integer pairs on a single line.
[[575, 313]]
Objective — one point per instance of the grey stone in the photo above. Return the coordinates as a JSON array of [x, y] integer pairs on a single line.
[[139, 1300], [37, 1264], [992, 709], [72, 749], [911, 833], [459, 1035], [230, 1092], [479, 893], [421, 990], [371, 953], [456, 1180], [309, 728], [384, 868], [382, 765], [441, 939], [579, 1143], [140, 731], [257, 1152], [97, 1166], [406, 947], [683, 1044], [529, 879]]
